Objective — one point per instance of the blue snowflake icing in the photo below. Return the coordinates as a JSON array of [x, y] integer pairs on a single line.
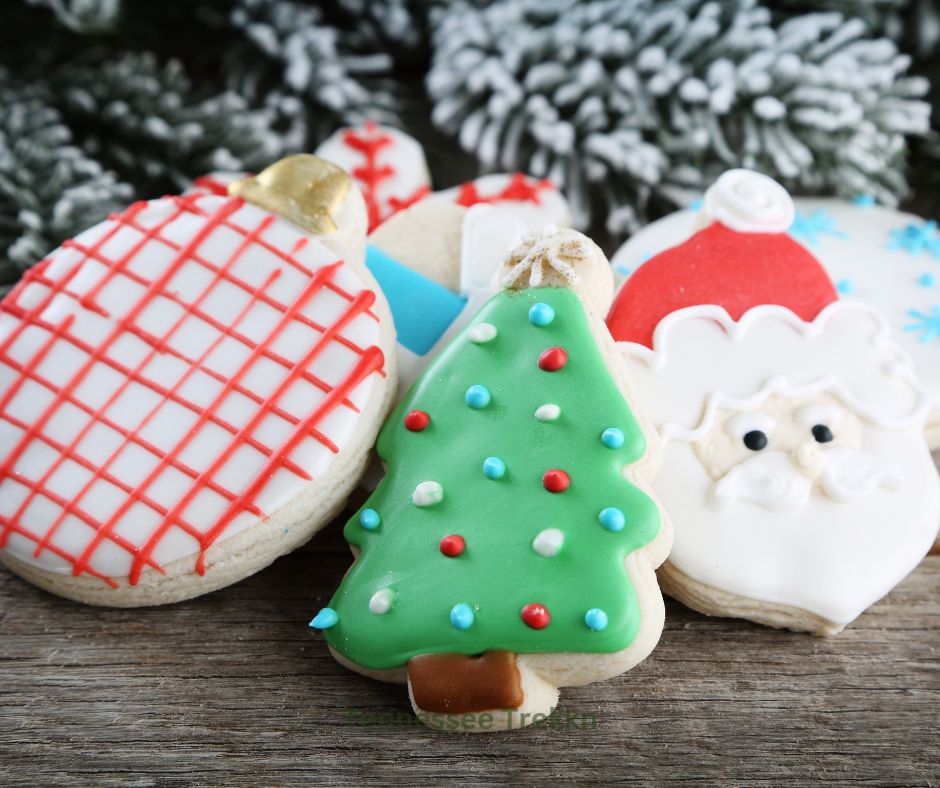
[[927, 324], [916, 238], [808, 229]]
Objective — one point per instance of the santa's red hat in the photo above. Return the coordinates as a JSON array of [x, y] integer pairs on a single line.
[[742, 260]]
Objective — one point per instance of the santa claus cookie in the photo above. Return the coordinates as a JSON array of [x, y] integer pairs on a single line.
[[511, 547], [874, 255], [794, 467], [190, 389]]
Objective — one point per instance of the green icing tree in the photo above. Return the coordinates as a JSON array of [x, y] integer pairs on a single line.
[[483, 452]]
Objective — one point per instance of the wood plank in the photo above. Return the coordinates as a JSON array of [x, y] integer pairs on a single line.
[[233, 687]]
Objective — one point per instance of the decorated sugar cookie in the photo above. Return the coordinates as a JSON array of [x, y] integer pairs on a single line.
[[794, 465], [874, 255], [387, 164], [511, 547], [438, 261], [190, 389]]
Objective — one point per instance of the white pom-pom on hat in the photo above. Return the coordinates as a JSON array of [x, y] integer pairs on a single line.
[[748, 202]]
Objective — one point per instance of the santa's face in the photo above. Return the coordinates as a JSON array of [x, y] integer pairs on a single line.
[[802, 502], [778, 454]]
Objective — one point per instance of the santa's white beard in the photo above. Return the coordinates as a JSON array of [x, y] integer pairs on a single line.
[[828, 557], [772, 480]]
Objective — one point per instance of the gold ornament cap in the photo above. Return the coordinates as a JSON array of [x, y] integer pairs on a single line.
[[302, 188]]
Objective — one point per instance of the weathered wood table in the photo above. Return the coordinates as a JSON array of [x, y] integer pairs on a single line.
[[233, 689]]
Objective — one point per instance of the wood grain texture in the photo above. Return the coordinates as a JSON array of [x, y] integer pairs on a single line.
[[232, 688]]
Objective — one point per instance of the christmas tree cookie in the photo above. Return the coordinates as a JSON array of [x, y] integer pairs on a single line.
[[511, 547], [191, 388], [795, 466]]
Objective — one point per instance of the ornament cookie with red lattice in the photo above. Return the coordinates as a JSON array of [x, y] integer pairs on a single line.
[[190, 389]]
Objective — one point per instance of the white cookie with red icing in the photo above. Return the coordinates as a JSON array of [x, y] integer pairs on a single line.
[[190, 389], [387, 164]]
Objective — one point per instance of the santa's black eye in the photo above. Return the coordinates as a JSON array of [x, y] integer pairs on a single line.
[[822, 433], [755, 440]]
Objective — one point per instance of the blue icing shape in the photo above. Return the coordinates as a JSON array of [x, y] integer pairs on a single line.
[[422, 309], [325, 619], [845, 286], [808, 229], [494, 468], [696, 205], [461, 616], [916, 238], [369, 519], [541, 314], [864, 200], [927, 324], [927, 280], [596, 619], [612, 519], [478, 397]]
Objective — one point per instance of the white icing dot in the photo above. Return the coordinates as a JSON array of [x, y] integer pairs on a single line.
[[428, 494], [548, 542], [482, 332], [547, 412], [381, 601]]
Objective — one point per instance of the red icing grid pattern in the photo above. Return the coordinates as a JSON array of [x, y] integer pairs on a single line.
[[157, 258]]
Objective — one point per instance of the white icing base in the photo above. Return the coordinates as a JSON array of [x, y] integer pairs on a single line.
[[160, 422], [830, 558]]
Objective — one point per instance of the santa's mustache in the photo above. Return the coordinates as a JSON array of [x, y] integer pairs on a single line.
[[775, 481]]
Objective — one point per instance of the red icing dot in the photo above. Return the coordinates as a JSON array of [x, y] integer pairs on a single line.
[[553, 359], [556, 481], [453, 545], [536, 616], [417, 420]]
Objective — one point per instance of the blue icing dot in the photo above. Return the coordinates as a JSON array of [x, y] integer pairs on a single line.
[[541, 314], [695, 205], [927, 280], [845, 286], [494, 468], [612, 519], [461, 616], [325, 619], [369, 519], [864, 200], [612, 438], [478, 397], [596, 619]]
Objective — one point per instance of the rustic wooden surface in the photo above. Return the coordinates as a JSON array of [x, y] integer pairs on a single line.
[[232, 688]]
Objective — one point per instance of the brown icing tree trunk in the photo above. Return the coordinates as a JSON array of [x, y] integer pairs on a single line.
[[457, 684]]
